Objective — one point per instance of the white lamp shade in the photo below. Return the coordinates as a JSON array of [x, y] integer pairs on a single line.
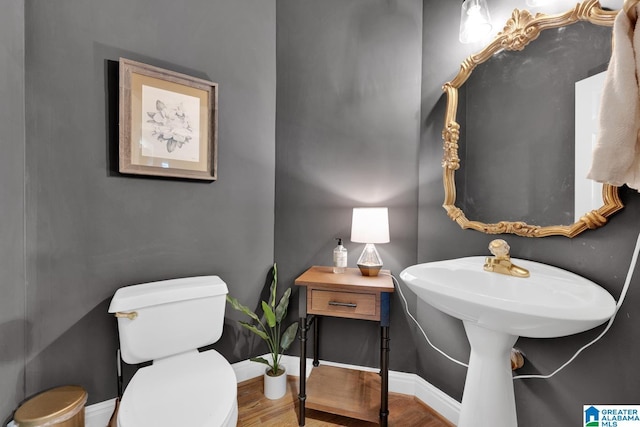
[[370, 225]]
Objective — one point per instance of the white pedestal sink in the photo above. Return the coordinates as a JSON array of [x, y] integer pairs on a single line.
[[496, 309]]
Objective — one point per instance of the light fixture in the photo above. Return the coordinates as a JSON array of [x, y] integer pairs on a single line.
[[370, 226], [475, 22]]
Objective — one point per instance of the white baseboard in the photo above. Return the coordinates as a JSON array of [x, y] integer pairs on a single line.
[[98, 414], [436, 399]]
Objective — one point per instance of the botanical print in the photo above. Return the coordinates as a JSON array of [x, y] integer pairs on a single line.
[[170, 125]]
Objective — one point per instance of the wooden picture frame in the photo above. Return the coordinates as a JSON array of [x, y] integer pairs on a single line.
[[168, 123]]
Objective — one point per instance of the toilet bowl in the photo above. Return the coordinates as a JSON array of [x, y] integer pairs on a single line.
[[167, 322], [202, 385]]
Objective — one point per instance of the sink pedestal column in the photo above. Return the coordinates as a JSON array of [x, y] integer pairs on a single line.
[[488, 397]]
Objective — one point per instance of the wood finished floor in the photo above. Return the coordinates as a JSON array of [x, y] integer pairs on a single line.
[[256, 410]]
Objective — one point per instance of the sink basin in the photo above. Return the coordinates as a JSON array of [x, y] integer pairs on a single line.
[[551, 303], [496, 309]]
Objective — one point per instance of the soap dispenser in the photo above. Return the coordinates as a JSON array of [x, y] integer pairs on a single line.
[[339, 257]]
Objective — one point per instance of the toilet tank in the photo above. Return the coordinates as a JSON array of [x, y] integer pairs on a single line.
[[169, 317]]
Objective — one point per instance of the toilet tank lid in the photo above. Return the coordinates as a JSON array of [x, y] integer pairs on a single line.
[[166, 291]]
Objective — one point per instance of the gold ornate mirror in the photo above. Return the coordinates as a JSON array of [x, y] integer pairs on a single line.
[[520, 30]]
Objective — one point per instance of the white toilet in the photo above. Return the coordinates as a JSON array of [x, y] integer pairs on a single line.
[[167, 322]]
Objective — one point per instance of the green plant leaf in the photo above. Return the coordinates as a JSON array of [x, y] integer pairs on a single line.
[[268, 328], [244, 309], [261, 360], [281, 309], [289, 335], [274, 286], [255, 330], [269, 315]]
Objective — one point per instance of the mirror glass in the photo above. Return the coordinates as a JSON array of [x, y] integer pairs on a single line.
[[517, 135]]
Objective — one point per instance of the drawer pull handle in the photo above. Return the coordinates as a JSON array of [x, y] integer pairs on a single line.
[[343, 304]]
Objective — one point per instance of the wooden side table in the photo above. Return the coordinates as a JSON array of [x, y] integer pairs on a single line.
[[354, 296]]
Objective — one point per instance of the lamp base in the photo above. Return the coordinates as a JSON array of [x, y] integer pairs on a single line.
[[369, 270], [369, 262]]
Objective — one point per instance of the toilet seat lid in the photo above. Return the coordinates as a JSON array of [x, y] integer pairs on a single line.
[[195, 389]]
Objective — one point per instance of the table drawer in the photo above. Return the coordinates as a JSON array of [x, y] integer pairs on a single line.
[[343, 304]]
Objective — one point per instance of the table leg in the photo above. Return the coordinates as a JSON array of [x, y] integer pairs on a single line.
[[385, 320], [316, 341], [384, 378], [302, 396]]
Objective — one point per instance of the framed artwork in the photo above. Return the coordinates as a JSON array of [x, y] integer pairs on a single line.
[[168, 123]]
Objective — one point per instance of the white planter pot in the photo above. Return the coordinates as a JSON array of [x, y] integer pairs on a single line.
[[275, 387]]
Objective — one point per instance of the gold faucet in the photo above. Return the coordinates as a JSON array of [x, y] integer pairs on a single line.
[[501, 262]]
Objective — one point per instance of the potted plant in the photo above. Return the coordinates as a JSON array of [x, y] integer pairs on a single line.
[[269, 328]]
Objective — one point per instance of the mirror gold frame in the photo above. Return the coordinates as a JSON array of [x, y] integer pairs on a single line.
[[520, 30]]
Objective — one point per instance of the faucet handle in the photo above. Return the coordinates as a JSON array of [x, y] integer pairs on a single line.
[[502, 262], [499, 248]]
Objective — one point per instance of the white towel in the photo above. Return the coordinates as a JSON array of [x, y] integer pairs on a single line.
[[616, 156]]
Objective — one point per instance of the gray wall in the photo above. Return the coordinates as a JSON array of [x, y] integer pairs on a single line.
[[349, 133], [91, 230], [605, 373], [347, 136], [12, 290]]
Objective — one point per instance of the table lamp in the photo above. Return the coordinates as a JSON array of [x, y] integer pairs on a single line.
[[370, 226]]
